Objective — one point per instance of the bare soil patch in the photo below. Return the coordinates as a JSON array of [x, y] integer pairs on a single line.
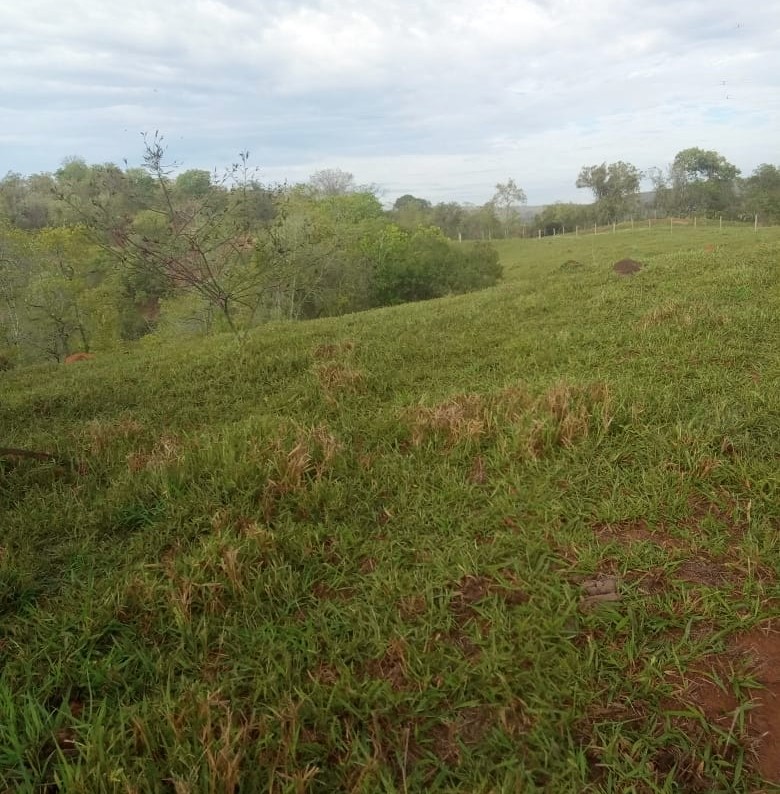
[[702, 509], [627, 267], [472, 589], [637, 531], [391, 667], [762, 647], [469, 728], [701, 570], [708, 689], [463, 643]]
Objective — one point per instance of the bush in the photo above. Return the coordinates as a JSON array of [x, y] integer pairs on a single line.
[[430, 266]]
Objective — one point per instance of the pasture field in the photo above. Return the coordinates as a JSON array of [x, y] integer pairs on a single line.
[[526, 539]]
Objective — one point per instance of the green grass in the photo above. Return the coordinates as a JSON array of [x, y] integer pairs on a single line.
[[349, 556]]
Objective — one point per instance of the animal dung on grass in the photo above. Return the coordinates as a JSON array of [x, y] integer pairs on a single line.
[[626, 267], [598, 591]]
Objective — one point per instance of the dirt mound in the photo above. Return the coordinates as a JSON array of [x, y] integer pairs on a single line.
[[626, 267]]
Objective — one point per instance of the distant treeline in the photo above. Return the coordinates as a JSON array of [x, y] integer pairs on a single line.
[[92, 256]]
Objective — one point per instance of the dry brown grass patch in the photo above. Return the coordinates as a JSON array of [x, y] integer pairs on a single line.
[[103, 433], [337, 378], [463, 417], [166, 450], [328, 352], [478, 475], [223, 735], [293, 468], [563, 415]]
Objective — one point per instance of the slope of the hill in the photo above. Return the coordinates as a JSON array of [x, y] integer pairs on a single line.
[[523, 539]]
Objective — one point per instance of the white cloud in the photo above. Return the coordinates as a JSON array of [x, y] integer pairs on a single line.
[[442, 100]]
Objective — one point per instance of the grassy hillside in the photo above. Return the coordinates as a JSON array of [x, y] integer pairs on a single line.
[[519, 540]]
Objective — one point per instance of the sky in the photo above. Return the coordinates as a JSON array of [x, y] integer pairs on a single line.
[[438, 99]]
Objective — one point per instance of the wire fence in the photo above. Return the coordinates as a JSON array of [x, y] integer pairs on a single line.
[[668, 224]]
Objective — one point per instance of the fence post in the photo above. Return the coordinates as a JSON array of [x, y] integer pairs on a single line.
[[576, 231], [694, 221], [755, 223], [720, 222], [540, 234], [594, 229], [648, 223], [614, 227], [671, 224]]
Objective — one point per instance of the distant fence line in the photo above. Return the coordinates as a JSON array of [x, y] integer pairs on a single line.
[[667, 224]]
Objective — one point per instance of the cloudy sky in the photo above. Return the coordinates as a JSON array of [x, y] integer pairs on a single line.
[[440, 99]]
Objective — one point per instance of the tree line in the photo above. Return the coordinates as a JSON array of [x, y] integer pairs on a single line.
[[698, 182], [92, 256]]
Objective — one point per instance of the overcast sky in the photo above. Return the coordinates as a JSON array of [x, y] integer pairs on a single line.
[[440, 99]]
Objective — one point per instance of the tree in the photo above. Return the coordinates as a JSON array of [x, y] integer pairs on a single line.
[[204, 243], [449, 217], [615, 188], [332, 182], [762, 192], [27, 203], [194, 183], [16, 262], [426, 265], [507, 196], [408, 201], [410, 212], [56, 295], [479, 223], [560, 216], [701, 181]]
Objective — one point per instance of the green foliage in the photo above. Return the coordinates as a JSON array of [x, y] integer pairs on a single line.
[[762, 193], [699, 182], [564, 217], [615, 188], [57, 294], [426, 265], [192, 184]]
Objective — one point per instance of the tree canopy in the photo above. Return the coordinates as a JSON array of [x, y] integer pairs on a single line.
[[615, 188]]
